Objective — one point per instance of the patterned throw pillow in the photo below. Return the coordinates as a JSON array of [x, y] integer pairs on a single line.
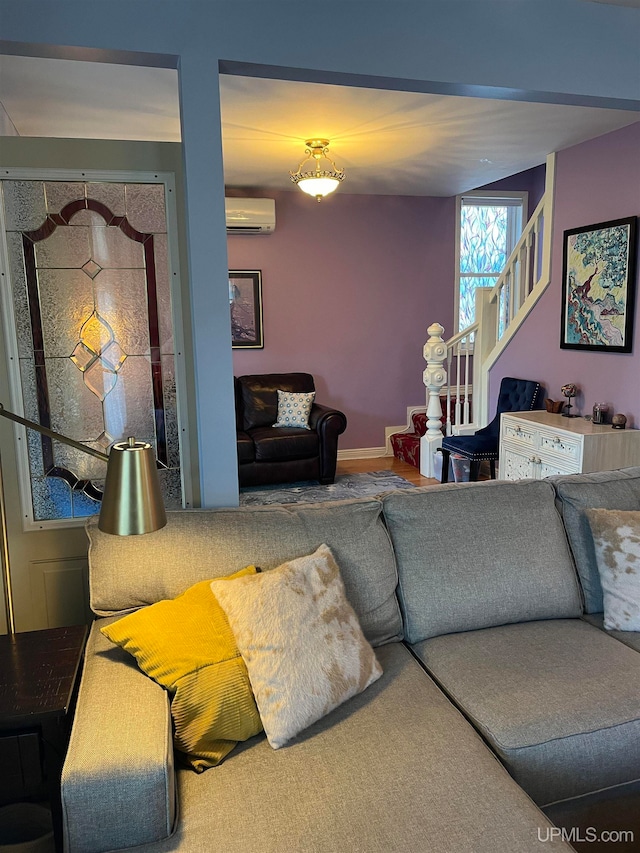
[[294, 409], [301, 641], [616, 537]]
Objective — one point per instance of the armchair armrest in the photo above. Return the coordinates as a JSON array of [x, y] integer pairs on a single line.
[[323, 417], [118, 779], [329, 424]]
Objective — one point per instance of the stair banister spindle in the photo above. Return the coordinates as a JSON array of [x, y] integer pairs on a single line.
[[434, 376], [522, 281], [538, 225], [458, 414], [467, 355], [527, 265], [448, 427]]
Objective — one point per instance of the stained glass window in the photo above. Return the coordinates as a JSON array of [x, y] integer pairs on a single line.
[[489, 228], [88, 267]]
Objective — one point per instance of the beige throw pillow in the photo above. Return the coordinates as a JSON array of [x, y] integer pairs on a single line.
[[301, 641], [616, 537]]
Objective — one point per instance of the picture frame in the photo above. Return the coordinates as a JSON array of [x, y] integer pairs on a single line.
[[599, 286], [245, 307]]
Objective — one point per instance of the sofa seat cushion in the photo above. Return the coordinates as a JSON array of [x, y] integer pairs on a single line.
[[557, 700], [282, 443], [575, 494], [395, 769], [475, 555], [246, 448], [629, 638]]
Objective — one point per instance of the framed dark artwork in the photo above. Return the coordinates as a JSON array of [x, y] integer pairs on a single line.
[[599, 286], [245, 302]]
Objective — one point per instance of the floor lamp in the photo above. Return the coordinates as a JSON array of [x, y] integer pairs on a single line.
[[131, 503]]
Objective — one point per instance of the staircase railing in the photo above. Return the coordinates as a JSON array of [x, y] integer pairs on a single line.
[[500, 311], [460, 355]]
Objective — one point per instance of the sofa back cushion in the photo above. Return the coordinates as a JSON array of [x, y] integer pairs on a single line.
[[127, 572], [476, 555], [259, 394], [577, 492]]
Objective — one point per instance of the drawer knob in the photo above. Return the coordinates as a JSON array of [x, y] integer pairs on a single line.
[[556, 440]]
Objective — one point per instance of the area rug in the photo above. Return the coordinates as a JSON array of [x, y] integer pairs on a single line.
[[345, 486]]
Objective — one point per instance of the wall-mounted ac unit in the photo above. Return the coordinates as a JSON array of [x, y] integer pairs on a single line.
[[250, 215]]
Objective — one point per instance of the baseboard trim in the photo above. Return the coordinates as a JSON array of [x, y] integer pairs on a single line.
[[388, 432], [362, 453]]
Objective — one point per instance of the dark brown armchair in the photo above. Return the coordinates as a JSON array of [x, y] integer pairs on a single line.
[[268, 454]]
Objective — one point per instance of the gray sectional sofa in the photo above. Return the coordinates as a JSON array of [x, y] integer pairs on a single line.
[[503, 705]]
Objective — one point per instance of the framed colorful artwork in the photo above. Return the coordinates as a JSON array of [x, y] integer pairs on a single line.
[[599, 286], [245, 302]]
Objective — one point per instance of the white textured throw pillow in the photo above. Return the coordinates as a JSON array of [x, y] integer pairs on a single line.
[[294, 408], [616, 537], [301, 641]]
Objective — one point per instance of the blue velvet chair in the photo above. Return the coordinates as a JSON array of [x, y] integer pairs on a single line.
[[516, 395]]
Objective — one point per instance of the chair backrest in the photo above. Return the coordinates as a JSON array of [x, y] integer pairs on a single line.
[[515, 395], [257, 396]]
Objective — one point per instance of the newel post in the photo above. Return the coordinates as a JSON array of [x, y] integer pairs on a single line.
[[434, 376]]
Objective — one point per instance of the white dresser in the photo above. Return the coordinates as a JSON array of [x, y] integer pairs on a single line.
[[539, 444]]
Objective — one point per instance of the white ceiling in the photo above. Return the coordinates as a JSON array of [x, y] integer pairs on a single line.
[[388, 142]]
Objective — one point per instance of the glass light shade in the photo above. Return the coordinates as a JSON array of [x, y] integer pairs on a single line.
[[318, 186], [132, 503]]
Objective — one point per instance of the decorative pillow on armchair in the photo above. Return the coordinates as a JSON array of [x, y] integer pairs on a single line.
[[294, 408], [187, 646], [616, 537], [301, 641]]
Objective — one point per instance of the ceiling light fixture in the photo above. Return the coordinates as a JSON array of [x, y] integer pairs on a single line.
[[319, 182]]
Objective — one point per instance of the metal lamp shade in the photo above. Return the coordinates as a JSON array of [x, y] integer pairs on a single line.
[[132, 502]]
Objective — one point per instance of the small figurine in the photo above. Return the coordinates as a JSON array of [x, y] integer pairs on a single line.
[[618, 421], [569, 390]]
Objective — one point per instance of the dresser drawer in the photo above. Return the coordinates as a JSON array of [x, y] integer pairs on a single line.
[[563, 446], [521, 435]]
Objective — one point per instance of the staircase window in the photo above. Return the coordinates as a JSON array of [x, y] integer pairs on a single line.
[[489, 225]]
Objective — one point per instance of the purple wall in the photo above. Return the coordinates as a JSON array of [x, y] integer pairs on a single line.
[[596, 181], [349, 288], [531, 181], [351, 284]]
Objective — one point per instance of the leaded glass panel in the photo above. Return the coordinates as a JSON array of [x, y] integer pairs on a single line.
[[468, 285], [483, 239], [89, 278]]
